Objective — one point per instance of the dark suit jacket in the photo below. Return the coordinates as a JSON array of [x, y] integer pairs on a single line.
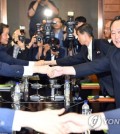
[[107, 63], [6, 120], [11, 70], [22, 54], [99, 50], [4, 57]]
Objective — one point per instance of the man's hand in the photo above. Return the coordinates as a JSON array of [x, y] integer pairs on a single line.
[[55, 71], [46, 47], [49, 122], [44, 69], [39, 63], [75, 123]]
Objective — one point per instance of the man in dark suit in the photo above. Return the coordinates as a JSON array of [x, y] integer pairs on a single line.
[[111, 62], [91, 49]]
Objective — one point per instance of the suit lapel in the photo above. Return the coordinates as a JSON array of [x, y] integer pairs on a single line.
[[85, 52]]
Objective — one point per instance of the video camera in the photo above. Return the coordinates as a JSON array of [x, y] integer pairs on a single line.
[[48, 31], [45, 33], [70, 24], [50, 36]]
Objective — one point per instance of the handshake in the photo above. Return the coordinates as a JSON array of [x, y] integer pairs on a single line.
[[53, 71]]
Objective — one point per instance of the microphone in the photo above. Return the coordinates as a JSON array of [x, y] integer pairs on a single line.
[[68, 108], [94, 98]]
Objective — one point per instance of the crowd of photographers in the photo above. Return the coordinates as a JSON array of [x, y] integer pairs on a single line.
[[51, 40]]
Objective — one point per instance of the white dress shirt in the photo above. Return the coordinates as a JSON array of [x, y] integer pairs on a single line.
[[89, 47]]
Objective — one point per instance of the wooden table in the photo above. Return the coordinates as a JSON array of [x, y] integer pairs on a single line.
[[102, 100]]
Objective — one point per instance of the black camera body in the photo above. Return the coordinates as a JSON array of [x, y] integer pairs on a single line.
[[47, 35], [70, 29], [70, 24], [39, 36], [48, 30], [21, 38], [54, 42]]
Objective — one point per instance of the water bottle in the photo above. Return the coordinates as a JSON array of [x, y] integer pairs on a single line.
[[85, 108], [86, 111], [26, 85], [67, 93], [16, 97]]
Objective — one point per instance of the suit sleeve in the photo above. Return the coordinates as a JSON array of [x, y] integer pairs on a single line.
[[104, 46], [11, 70], [112, 116], [70, 60], [4, 57], [93, 67], [6, 120]]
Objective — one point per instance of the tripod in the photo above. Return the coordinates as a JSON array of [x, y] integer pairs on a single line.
[[71, 51]]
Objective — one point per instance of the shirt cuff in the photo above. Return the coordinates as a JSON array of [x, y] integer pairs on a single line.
[[31, 63], [16, 125], [28, 71]]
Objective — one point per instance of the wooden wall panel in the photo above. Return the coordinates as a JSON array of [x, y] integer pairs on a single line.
[[110, 2], [110, 15], [111, 9]]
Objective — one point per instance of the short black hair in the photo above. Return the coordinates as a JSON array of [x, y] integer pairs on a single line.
[[86, 28], [2, 26], [81, 19], [115, 19]]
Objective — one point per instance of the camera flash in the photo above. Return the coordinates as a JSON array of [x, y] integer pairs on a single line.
[[48, 13], [22, 27], [70, 13]]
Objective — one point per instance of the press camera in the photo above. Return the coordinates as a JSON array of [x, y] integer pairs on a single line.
[[70, 25], [22, 36], [39, 36]]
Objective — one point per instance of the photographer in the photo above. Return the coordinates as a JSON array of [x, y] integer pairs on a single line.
[[36, 13], [58, 31], [54, 51], [48, 51], [71, 39], [18, 48]]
